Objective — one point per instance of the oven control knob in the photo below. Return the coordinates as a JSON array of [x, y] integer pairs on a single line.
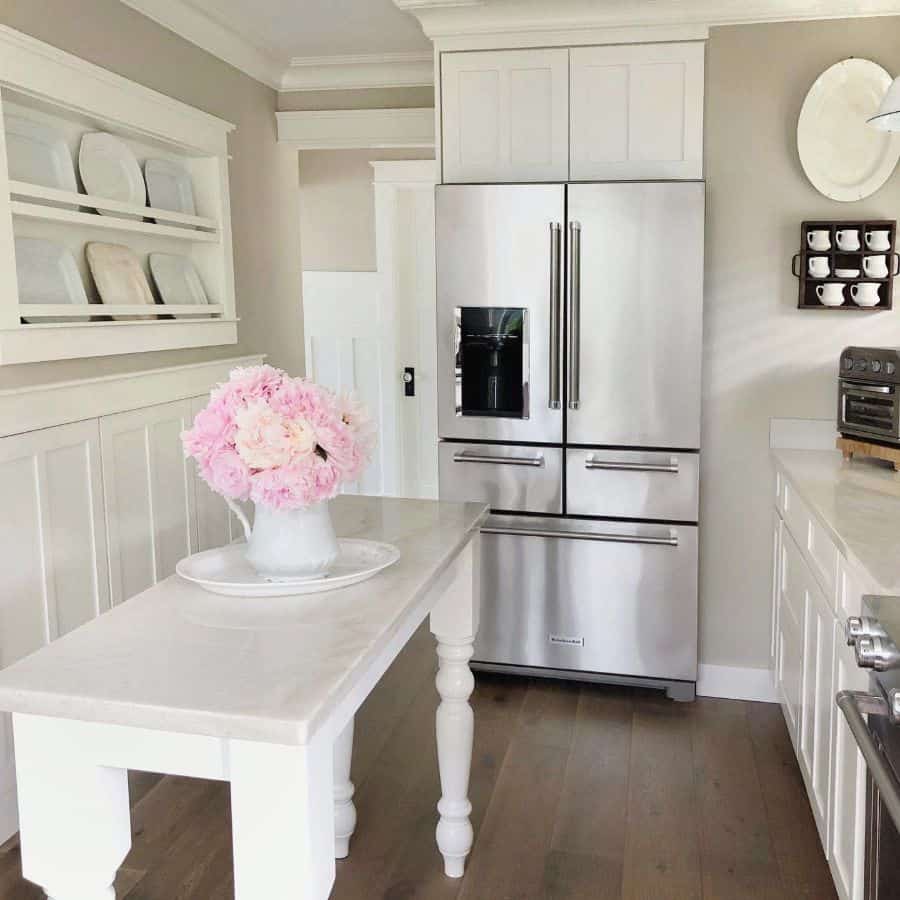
[[893, 698], [862, 626], [861, 365], [877, 653], [876, 365], [890, 368], [847, 363]]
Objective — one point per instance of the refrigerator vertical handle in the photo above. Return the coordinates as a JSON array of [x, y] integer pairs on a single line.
[[574, 314], [555, 249]]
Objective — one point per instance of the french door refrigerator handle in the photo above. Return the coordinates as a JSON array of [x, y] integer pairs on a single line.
[[606, 537], [617, 466], [466, 456], [555, 246], [574, 314]]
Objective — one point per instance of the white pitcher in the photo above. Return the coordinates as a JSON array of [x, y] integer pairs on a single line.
[[289, 544]]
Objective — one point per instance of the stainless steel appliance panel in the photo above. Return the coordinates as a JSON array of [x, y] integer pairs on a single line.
[[524, 479], [589, 596], [633, 484], [635, 314], [499, 249]]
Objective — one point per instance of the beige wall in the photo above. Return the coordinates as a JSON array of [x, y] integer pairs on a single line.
[[367, 98], [263, 204], [762, 356]]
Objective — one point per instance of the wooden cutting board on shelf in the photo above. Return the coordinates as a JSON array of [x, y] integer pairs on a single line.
[[851, 447]]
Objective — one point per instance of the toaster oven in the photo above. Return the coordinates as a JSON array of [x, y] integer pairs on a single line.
[[868, 385]]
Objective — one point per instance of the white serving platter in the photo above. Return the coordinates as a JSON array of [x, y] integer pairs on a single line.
[[46, 273], [842, 155], [38, 154], [169, 187], [226, 571], [177, 280], [119, 277], [109, 169]]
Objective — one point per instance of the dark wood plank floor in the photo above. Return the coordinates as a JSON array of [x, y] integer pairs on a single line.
[[580, 792]]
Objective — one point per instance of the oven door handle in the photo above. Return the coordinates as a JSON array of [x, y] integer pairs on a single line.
[[873, 389], [855, 704], [615, 465], [605, 537]]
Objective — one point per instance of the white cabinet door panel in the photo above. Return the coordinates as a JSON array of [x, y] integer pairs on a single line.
[[150, 495], [636, 111], [505, 115]]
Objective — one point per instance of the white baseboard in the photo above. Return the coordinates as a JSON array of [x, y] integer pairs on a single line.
[[735, 683]]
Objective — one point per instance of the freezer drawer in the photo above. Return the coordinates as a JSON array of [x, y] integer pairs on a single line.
[[633, 484], [524, 479], [605, 597]]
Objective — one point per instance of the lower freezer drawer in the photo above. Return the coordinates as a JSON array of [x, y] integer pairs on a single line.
[[610, 597]]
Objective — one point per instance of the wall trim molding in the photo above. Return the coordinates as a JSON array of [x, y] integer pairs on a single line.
[[339, 129], [423, 172], [62, 402], [381, 70], [736, 683]]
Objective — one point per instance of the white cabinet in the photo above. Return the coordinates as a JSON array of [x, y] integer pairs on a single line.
[[150, 492], [789, 637], [505, 115]]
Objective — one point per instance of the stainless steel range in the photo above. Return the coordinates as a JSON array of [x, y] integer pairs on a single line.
[[569, 348], [867, 394], [874, 720]]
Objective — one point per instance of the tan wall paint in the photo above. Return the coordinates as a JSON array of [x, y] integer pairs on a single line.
[[263, 175], [337, 207], [762, 356], [366, 98]]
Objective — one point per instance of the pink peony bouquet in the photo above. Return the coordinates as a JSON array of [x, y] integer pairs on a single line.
[[282, 442]]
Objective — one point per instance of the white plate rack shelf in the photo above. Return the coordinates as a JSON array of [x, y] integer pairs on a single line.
[[46, 85]]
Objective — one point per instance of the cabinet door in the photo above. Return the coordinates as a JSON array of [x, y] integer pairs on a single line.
[[776, 587], [505, 115], [789, 642], [637, 112], [847, 810], [149, 489]]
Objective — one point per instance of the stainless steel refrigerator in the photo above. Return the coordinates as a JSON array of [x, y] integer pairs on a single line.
[[569, 349]]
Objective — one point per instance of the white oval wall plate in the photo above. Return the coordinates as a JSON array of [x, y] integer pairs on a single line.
[[46, 272], [110, 170], [842, 155]]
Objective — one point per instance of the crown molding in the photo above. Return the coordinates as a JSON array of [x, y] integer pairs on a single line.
[[381, 70], [221, 41], [348, 129]]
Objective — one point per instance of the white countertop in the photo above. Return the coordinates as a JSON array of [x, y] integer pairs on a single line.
[[858, 501], [179, 659]]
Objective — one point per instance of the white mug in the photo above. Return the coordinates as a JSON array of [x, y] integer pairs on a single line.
[[818, 267], [830, 294], [818, 240], [875, 266], [848, 239], [878, 240], [865, 293]]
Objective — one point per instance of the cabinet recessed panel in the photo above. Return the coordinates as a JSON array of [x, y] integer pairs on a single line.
[[656, 102], [531, 100], [600, 104], [479, 135]]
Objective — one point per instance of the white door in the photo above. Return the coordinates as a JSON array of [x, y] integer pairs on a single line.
[[505, 115], [150, 492], [637, 112], [53, 541]]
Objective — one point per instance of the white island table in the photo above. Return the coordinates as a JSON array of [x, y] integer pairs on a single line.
[[259, 693]]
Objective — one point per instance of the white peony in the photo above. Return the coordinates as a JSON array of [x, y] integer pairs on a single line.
[[261, 439]]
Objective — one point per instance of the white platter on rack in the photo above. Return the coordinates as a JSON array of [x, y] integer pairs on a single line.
[[38, 154], [843, 156], [169, 186], [225, 570], [177, 280], [109, 169], [46, 272], [119, 277]]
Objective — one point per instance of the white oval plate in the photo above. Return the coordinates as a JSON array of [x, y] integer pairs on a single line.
[[224, 570], [844, 157], [46, 272], [110, 170]]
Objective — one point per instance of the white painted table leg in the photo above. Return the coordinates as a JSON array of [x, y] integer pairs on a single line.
[[344, 810], [282, 811], [454, 622], [74, 817]]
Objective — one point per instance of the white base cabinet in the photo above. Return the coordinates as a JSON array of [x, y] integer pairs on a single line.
[[814, 590]]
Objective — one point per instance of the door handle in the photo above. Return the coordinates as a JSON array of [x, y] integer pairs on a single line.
[[607, 537], [854, 704], [621, 466], [555, 241], [466, 457], [574, 314]]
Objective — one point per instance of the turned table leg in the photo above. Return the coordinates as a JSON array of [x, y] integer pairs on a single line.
[[344, 810]]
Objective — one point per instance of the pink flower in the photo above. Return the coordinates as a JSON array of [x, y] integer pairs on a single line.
[[227, 474], [260, 438], [339, 444]]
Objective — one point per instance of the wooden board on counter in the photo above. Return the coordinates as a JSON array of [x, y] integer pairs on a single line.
[[851, 447]]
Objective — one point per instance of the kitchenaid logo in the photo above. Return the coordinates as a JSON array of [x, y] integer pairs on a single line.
[[567, 640]]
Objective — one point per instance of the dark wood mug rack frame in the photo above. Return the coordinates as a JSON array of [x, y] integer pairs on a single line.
[[845, 259]]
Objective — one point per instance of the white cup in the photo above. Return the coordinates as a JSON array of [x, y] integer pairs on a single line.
[[878, 240], [830, 294], [848, 239], [818, 267], [875, 266], [864, 294], [818, 240]]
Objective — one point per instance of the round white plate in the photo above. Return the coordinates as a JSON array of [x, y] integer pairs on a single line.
[[110, 170], [844, 157], [224, 570]]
